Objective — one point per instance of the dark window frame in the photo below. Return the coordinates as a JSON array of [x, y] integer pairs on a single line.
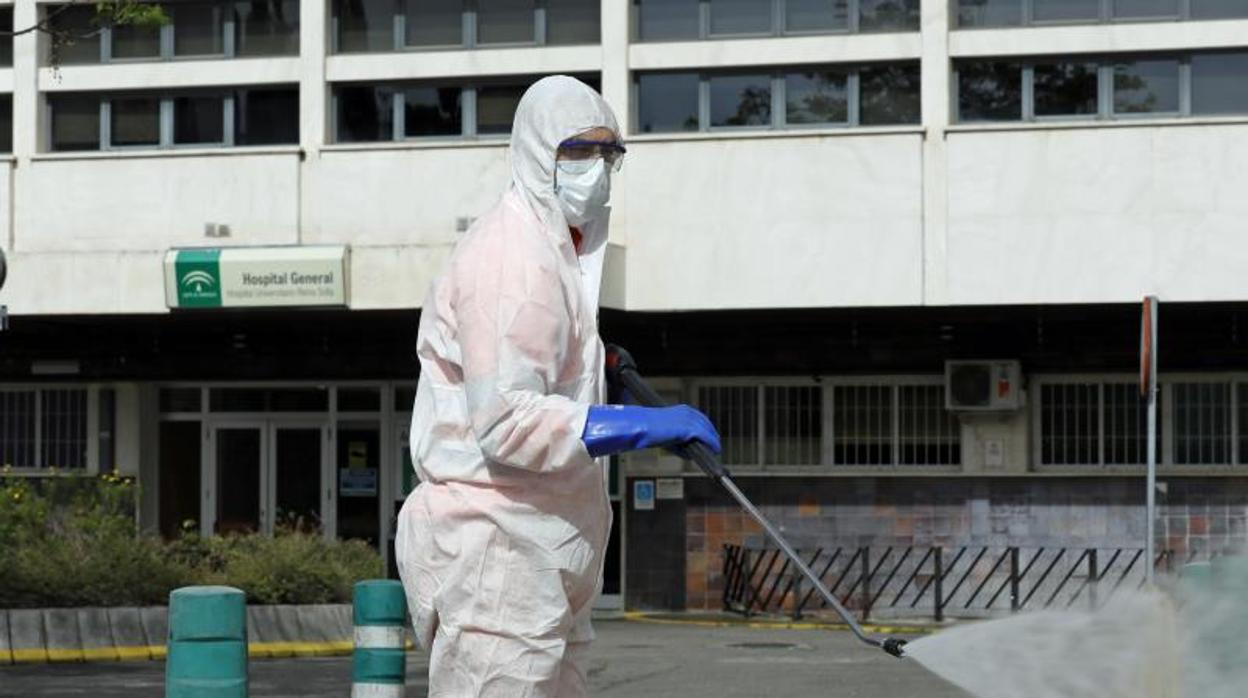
[[227, 30], [469, 32], [1105, 68], [779, 24], [166, 100], [1105, 15], [779, 103]]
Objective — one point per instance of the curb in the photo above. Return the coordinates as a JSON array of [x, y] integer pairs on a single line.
[[776, 624], [38, 636]]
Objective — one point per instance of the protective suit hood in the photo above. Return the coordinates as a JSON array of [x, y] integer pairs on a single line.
[[551, 111]]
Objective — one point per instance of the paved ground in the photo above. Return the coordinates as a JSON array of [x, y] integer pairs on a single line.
[[630, 659]]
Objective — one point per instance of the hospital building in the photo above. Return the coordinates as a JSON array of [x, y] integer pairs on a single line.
[[896, 249]]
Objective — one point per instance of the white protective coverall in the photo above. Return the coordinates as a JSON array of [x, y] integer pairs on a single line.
[[501, 545]]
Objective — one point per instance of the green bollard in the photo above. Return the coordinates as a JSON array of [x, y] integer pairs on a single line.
[[379, 665], [207, 643]]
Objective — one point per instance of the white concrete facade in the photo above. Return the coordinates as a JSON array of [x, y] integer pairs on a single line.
[[934, 214]]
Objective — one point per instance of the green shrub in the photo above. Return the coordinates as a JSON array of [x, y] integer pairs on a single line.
[[73, 542]]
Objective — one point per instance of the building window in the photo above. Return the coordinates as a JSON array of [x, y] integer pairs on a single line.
[[573, 21], [799, 97], [266, 28], [195, 29], [198, 28], [1087, 88], [197, 120], [266, 116], [386, 25], [75, 122], [134, 121], [1064, 89], [927, 433], [432, 23], [1090, 423], [1202, 423], [240, 117], [1220, 83], [44, 428], [79, 22], [132, 42], [668, 20], [1010, 13], [1146, 87], [432, 111], [506, 21], [893, 424], [853, 424], [6, 42], [6, 123], [990, 92], [388, 112], [740, 100], [734, 411], [889, 94]]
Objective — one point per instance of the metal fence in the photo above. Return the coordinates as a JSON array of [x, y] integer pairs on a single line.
[[932, 581]]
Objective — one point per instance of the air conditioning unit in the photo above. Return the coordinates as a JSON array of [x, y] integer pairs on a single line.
[[983, 386]]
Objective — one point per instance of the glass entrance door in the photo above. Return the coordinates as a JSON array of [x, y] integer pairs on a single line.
[[235, 485], [265, 474], [297, 466]]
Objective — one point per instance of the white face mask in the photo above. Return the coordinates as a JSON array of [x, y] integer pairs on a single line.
[[583, 188]]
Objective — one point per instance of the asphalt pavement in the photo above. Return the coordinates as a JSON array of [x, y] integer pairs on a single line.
[[630, 658]]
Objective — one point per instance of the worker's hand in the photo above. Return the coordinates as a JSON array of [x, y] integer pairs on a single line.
[[686, 425], [617, 428]]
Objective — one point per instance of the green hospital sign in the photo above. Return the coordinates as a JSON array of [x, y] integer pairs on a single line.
[[256, 277]]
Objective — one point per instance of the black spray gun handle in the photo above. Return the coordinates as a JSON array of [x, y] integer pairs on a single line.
[[622, 371]]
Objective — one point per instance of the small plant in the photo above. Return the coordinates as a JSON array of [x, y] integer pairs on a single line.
[[73, 542]]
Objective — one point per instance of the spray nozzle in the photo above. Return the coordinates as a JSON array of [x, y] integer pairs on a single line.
[[893, 646]]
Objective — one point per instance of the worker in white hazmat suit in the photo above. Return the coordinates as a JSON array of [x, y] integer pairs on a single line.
[[501, 545]]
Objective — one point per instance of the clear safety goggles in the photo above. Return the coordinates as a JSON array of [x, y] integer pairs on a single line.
[[578, 156]]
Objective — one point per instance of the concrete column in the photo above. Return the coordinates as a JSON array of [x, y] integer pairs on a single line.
[[937, 91], [615, 38], [313, 93], [314, 28], [28, 109]]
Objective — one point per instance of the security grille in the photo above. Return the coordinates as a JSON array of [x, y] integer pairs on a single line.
[[63, 428], [1070, 424], [17, 429], [862, 425], [929, 434], [1202, 423], [734, 412], [793, 424], [42, 428]]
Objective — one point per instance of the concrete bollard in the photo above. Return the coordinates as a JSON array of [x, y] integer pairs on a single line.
[[379, 665], [207, 643]]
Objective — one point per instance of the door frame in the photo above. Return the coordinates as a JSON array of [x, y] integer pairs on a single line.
[[267, 486]]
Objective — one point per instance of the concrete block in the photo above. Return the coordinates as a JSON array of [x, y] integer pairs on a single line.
[[155, 621], [126, 625], [97, 637], [263, 635], [26, 632], [64, 640], [320, 625], [6, 650]]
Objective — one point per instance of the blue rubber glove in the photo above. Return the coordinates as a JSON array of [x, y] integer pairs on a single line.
[[614, 429]]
